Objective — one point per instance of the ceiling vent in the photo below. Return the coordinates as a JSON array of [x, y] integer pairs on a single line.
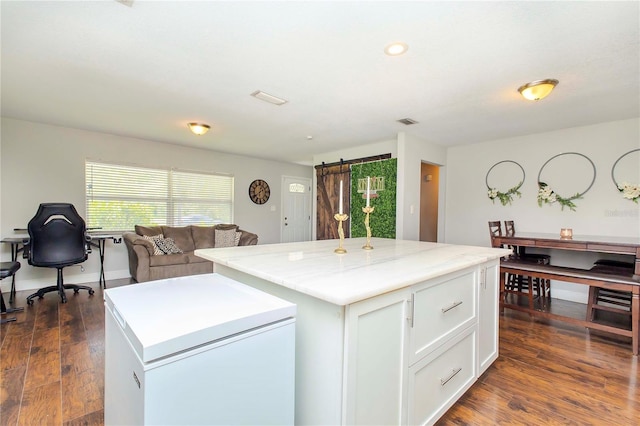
[[268, 98], [407, 121]]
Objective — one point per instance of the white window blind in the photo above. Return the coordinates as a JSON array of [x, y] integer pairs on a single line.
[[121, 196]]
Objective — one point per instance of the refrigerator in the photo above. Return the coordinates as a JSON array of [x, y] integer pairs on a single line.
[[198, 350]]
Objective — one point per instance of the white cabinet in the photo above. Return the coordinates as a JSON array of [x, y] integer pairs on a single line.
[[440, 378], [488, 292], [410, 354], [376, 365], [399, 357], [442, 308]]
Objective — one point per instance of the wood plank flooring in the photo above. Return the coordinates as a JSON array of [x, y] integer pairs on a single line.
[[548, 373]]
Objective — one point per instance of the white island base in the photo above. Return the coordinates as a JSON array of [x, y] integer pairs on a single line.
[[393, 335]]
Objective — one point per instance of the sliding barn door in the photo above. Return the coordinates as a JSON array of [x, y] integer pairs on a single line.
[[328, 192]]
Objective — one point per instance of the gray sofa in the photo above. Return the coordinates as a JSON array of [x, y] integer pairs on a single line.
[[147, 262]]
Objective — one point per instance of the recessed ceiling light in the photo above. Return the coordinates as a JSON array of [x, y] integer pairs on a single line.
[[396, 49], [268, 98]]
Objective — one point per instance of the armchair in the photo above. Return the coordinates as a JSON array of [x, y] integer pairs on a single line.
[[57, 238]]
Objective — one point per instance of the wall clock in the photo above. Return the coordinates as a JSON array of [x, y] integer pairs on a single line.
[[259, 191]]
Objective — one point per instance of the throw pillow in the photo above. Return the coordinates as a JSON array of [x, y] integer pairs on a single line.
[[168, 246], [154, 240], [238, 235], [225, 238]]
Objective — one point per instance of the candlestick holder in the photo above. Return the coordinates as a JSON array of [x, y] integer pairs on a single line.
[[340, 218], [367, 211]]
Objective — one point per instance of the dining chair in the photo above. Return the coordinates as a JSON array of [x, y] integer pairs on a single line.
[[522, 285]]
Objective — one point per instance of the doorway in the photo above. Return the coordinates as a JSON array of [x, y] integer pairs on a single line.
[[429, 184], [296, 209]]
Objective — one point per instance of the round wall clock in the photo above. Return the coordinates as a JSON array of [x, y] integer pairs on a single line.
[[259, 191]]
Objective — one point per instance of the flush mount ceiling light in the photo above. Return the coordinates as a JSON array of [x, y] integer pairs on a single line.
[[396, 49], [199, 128], [259, 94], [537, 90]]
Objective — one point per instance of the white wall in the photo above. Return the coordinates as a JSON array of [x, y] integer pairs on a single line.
[[412, 152], [43, 163], [602, 211]]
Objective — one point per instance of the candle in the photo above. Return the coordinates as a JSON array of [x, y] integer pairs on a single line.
[[368, 189], [340, 209]]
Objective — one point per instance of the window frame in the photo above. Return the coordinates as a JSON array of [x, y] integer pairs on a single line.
[[167, 200]]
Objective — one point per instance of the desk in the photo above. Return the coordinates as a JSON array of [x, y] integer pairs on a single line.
[[591, 243], [98, 241], [597, 244]]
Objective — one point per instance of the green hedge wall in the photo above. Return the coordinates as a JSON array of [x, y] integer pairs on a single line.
[[383, 219]]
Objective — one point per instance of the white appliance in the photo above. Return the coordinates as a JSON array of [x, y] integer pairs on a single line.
[[201, 349]]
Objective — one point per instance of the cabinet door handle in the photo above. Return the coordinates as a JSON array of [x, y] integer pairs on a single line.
[[451, 376], [410, 308], [453, 305]]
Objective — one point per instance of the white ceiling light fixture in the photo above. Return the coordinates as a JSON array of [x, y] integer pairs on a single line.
[[396, 49], [199, 128], [537, 90], [259, 94]]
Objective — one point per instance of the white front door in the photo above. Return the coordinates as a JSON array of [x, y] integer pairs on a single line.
[[296, 209]]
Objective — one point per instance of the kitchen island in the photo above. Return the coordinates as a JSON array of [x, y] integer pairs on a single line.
[[393, 335]]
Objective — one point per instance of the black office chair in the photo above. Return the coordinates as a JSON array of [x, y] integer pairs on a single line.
[[57, 238], [8, 269]]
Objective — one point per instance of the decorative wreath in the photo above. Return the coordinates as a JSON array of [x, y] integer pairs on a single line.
[[546, 195], [630, 191], [504, 197]]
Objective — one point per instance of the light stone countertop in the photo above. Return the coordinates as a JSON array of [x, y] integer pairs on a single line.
[[312, 267]]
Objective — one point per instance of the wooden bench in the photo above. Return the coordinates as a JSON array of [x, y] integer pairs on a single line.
[[610, 281]]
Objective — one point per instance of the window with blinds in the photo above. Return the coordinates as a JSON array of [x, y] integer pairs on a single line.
[[121, 196]]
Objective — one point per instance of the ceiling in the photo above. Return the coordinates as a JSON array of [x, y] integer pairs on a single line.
[[145, 71]]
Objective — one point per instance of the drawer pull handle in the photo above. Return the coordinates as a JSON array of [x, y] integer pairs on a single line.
[[455, 304], [451, 376]]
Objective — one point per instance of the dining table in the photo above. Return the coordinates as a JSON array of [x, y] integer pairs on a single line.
[[620, 245], [629, 245]]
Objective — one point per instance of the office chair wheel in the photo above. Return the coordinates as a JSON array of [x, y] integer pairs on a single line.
[[76, 290], [91, 292], [30, 302]]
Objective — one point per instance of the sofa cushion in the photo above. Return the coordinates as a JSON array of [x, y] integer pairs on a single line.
[[167, 245], [153, 240], [148, 230], [203, 236], [169, 259], [227, 238], [181, 235], [226, 226]]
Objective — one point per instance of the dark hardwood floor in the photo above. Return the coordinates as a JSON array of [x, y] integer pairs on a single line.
[[548, 373]]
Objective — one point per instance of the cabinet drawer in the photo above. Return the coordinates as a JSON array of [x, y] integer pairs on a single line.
[[441, 311], [437, 381]]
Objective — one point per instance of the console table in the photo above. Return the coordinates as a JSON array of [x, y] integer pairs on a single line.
[[98, 241]]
